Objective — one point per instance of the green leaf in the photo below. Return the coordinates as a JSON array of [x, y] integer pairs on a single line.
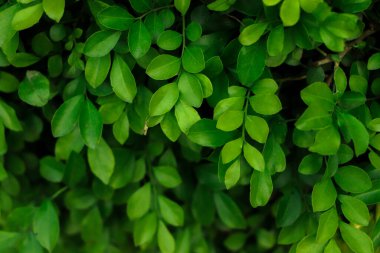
[[353, 179], [261, 188], [46, 225], [116, 18], [374, 125], [231, 150], [3, 150], [182, 6], [290, 12], [193, 31], [340, 80], [275, 42], [31, 245], [313, 118], [289, 209], [190, 89], [354, 129], [358, 84], [205, 133], [101, 43], [343, 25], [8, 240], [167, 176], [252, 33], [328, 224], [354, 210], [323, 195], [310, 245], [186, 116], [352, 6], [332, 247], [310, 5], [170, 127], [327, 141], [96, 70], [66, 117], [54, 9], [122, 80], [139, 202], [271, 2], [8, 82], [233, 103], [257, 128], [230, 120], [207, 88], [139, 39], [27, 17], [358, 241], [163, 67], [163, 100], [171, 212], [193, 59], [374, 62], [318, 94], [265, 104], [232, 175], [101, 161], [6, 30], [265, 86], [254, 158], [250, 63], [169, 40], [34, 89], [144, 229], [51, 169], [229, 211], [310, 164], [220, 5], [165, 239], [90, 124]]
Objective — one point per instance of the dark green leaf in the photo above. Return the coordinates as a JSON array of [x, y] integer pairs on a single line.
[[101, 161], [205, 133], [116, 18], [229, 211]]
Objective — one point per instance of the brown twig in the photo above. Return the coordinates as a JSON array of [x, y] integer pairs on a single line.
[[349, 47], [294, 78]]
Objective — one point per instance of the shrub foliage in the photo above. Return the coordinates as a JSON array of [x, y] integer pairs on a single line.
[[189, 126]]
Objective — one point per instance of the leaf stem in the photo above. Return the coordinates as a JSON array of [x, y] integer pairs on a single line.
[[245, 114], [59, 192], [183, 34]]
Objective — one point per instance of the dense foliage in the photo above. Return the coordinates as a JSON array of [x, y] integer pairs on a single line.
[[189, 126]]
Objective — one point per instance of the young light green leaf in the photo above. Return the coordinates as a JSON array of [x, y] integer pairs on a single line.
[[139, 39], [310, 164], [167, 176], [193, 59], [265, 104], [165, 239], [252, 33], [323, 196], [232, 175], [328, 224], [318, 94], [230, 120], [34, 89], [205, 133], [169, 40], [257, 128], [171, 212], [66, 117], [374, 62], [332, 247], [163, 67], [313, 118], [164, 99], [8, 82], [220, 5], [139, 202], [116, 18], [327, 141], [144, 229], [355, 210], [190, 89], [122, 80], [290, 12], [358, 241], [170, 127], [101, 43], [54, 9], [90, 124], [275, 42], [101, 161], [186, 116], [261, 188], [271, 2], [51, 169], [27, 17], [231, 150], [310, 245], [46, 225], [254, 158], [96, 70], [228, 211], [353, 179], [340, 80], [182, 6]]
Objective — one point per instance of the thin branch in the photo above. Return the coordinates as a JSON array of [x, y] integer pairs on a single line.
[[235, 18], [292, 78]]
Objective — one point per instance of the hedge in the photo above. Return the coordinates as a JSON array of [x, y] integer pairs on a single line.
[[189, 126]]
